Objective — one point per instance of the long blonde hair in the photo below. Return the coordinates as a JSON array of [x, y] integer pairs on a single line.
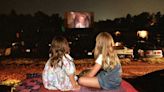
[[104, 46], [59, 47]]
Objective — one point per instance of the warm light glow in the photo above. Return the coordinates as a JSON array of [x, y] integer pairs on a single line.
[[10, 82], [117, 44], [142, 34], [70, 42], [49, 45], [13, 44], [117, 33], [28, 50], [89, 53]]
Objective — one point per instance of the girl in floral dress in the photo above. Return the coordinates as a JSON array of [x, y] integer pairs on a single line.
[[59, 71]]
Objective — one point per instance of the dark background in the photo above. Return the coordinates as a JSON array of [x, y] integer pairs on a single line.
[[31, 24]]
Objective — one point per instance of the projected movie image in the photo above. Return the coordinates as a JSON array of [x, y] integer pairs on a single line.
[[78, 19]]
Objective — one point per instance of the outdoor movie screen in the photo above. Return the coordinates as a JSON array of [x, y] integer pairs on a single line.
[[78, 19]]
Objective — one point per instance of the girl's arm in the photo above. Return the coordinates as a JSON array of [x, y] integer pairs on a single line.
[[70, 71], [73, 81], [94, 70]]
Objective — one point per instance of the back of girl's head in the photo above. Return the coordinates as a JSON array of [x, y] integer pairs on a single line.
[[104, 46], [104, 41], [59, 43], [59, 47]]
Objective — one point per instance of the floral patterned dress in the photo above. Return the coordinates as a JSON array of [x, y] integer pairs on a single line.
[[57, 78]]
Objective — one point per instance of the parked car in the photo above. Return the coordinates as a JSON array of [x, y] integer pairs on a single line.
[[153, 53], [147, 49], [124, 52]]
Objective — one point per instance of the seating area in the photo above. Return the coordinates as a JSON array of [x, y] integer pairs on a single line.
[[25, 74], [34, 84]]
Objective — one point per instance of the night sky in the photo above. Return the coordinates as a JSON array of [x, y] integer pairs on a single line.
[[103, 9]]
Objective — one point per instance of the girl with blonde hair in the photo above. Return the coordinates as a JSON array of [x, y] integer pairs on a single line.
[[106, 73], [59, 71]]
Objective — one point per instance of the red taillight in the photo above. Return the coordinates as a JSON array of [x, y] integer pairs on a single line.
[[147, 52], [158, 52]]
